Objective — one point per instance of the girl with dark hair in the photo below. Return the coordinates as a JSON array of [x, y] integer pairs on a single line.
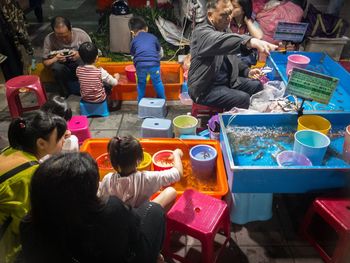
[[243, 22], [30, 138], [69, 223], [136, 187], [59, 106]]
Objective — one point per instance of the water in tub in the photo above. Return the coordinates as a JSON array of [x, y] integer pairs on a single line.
[[259, 145]]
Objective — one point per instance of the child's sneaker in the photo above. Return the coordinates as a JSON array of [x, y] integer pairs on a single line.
[[115, 105]]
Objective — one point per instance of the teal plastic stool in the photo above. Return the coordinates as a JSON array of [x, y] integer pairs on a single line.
[[94, 109]]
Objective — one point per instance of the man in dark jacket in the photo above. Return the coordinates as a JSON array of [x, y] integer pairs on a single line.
[[216, 76]]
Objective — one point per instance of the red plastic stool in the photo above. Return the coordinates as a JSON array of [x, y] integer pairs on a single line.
[[23, 84], [335, 213], [198, 109], [79, 126], [201, 217]]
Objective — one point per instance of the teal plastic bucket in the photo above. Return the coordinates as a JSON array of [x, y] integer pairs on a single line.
[[312, 144], [185, 125]]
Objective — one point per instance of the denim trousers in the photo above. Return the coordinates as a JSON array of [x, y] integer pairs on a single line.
[[154, 72]]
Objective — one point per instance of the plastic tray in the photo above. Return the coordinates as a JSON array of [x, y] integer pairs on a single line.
[[321, 63], [172, 77], [219, 187], [260, 177]]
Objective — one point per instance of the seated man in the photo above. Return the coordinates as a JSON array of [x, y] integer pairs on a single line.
[[216, 76], [61, 51]]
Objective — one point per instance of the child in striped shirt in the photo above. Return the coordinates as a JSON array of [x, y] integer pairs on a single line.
[[95, 83]]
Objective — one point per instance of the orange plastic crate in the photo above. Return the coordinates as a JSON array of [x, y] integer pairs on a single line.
[[172, 77], [216, 188]]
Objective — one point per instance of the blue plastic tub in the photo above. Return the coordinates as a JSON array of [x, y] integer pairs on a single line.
[[258, 172], [321, 63]]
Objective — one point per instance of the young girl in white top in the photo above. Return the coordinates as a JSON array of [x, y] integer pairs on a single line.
[[59, 106], [135, 187]]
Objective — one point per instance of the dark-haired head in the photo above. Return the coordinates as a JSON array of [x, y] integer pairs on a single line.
[[59, 106], [40, 133], [88, 53], [245, 5], [125, 154], [64, 190], [137, 23], [212, 4], [59, 21]]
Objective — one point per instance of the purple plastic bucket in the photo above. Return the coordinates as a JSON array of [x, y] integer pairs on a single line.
[[292, 158]]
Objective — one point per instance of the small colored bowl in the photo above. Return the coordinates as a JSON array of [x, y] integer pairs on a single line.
[[161, 161], [105, 166], [145, 165], [292, 158]]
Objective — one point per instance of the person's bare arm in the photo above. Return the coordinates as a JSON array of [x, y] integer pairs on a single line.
[[177, 155], [254, 31]]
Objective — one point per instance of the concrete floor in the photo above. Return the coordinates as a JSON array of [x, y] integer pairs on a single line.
[[275, 240]]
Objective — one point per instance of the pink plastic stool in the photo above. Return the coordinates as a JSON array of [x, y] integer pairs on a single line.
[[201, 217], [335, 213], [79, 126], [23, 84]]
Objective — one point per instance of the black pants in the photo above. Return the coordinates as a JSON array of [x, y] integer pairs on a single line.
[[12, 66], [153, 229], [226, 98], [64, 73]]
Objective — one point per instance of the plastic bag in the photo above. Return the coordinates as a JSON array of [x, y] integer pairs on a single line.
[[265, 100]]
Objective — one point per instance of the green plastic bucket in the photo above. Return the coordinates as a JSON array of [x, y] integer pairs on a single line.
[[185, 125]]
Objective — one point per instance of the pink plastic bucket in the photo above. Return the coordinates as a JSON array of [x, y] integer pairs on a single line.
[[130, 73], [296, 61]]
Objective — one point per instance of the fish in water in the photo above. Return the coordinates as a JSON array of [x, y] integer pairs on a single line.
[[259, 156]]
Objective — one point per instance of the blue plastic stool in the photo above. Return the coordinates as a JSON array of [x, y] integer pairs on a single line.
[[94, 109], [154, 127], [152, 108], [249, 207]]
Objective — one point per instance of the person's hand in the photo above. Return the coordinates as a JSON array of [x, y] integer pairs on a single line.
[[60, 58], [67, 134], [178, 152], [255, 73], [261, 45], [74, 55], [116, 76], [247, 20]]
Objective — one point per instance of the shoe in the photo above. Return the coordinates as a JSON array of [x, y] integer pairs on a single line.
[[2, 58], [115, 105]]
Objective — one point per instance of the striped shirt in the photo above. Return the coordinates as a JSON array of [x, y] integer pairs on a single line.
[[91, 81]]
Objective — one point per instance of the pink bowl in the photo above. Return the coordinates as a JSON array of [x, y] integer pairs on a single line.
[[131, 73], [296, 61]]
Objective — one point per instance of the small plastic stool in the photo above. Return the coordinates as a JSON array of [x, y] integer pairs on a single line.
[[201, 217], [154, 127], [94, 109], [152, 108], [334, 213], [202, 110], [79, 126], [23, 84]]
